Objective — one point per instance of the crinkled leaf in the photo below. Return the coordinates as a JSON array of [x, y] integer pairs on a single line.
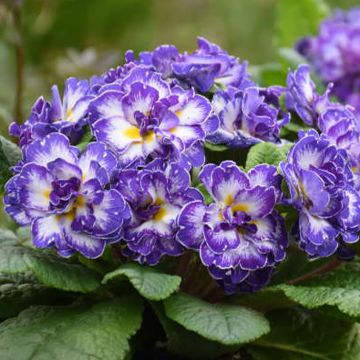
[[299, 335], [187, 343], [340, 288], [7, 237], [101, 331], [47, 268], [226, 324], [267, 153], [296, 19], [148, 281], [17, 292]]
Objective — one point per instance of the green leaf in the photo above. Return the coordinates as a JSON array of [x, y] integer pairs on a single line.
[[10, 154], [47, 268], [17, 292], [11, 151], [267, 153], [294, 128], [101, 331], [85, 139], [298, 335], [290, 58], [187, 343], [296, 19], [148, 281], [340, 288], [215, 147], [268, 74], [226, 324], [207, 197]]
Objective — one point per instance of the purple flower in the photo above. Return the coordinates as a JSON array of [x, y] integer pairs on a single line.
[[156, 195], [248, 116], [161, 59], [302, 98], [67, 115], [322, 189], [335, 54], [64, 196], [209, 65], [141, 117], [341, 127], [240, 236], [338, 122]]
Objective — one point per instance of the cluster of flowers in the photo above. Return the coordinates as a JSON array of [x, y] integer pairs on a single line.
[[335, 54], [134, 183]]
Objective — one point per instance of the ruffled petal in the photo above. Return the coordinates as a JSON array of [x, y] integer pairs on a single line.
[[191, 226], [256, 202], [46, 231], [52, 147], [35, 187], [226, 183]]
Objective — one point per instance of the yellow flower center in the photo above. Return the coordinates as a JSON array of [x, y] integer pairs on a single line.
[[132, 132]]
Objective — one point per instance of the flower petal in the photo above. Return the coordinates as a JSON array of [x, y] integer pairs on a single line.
[[190, 221], [52, 147], [35, 187], [110, 213], [188, 134], [349, 217], [116, 132], [219, 240], [96, 152], [46, 231], [226, 183], [107, 105], [195, 111], [317, 235], [142, 74], [86, 245], [256, 202], [141, 98]]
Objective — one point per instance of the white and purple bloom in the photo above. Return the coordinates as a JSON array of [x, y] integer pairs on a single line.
[[248, 116], [156, 194], [161, 59], [202, 69], [65, 198], [142, 118], [67, 115], [335, 54], [321, 187], [210, 65], [342, 128], [240, 236], [302, 98]]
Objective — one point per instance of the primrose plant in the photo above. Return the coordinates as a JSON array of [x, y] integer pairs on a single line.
[[212, 195]]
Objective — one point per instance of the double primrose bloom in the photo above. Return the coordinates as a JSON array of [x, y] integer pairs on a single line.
[[66, 198], [134, 183], [240, 236]]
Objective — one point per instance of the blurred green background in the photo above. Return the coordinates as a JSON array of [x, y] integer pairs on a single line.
[[60, 38]]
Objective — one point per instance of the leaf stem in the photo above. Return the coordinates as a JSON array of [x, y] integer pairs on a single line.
[[331, 265]]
